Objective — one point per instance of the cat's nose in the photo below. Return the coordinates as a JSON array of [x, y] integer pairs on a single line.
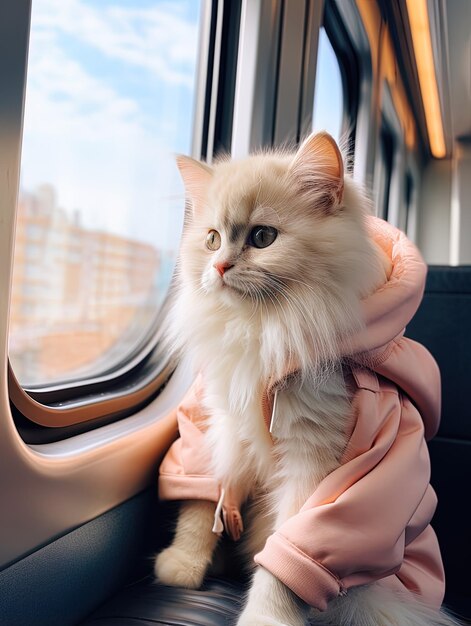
[[221, 268]]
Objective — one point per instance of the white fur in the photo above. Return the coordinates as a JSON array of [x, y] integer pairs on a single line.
[[285, 307], [270, 603], [374, 605]]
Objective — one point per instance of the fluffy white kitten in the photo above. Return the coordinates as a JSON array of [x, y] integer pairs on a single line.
[[274, 262]]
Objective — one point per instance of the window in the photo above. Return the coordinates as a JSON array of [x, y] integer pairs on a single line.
[[409, 203], [109, 100], [328, 96], [385, 166], [337, 85]]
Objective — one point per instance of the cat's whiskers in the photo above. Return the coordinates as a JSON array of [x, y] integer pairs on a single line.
[[275, 288], [318, 362], [294, 280], [273, 296], [260, 299], [287, 335], [255, 303], [292, 336]]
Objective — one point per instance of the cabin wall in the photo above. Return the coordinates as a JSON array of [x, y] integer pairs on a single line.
[[461, 204], [444, 219], [434, 219]]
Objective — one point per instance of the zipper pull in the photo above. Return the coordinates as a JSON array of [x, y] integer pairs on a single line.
[[218, 526], [273, 412]]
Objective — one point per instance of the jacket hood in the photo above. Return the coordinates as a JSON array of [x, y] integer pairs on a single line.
[[388, 310], [380, 345]]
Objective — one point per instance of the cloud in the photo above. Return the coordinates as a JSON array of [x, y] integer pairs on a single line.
[[62, 97], [158, 38], [88, 135]]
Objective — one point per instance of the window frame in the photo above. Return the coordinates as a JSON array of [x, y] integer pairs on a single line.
[[261, 75], [276, 69], [366, 118], [384, 169], [47, 413], [412, 170], [349, 65], [391, 125], [409, 200]]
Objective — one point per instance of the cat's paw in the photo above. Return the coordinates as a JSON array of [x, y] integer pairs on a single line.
[[177, 568]]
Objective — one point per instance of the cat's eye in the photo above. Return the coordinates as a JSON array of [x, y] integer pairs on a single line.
[[213, 240], [262, 236]]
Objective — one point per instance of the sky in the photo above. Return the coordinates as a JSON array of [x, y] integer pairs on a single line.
[[109, 101], [328, 101]]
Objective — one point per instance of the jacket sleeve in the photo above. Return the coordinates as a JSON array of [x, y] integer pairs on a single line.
[[185, 472], [353, 529]]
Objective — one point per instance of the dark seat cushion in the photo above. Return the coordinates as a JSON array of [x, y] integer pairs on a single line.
[[443, 325], [147, 603]]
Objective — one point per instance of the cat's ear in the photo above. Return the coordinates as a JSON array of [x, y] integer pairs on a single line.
[[318, 165], [196, 178]]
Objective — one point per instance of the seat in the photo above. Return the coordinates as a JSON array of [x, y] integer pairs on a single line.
[[442, 324], [146, 603]]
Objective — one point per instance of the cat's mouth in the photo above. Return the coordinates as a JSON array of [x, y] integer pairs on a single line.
[[231, 286], [250, 287], [244, 290]]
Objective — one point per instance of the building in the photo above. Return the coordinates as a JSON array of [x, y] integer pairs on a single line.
[[81, 298]]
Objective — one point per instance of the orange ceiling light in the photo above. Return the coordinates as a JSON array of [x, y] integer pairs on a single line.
[[420, 29]]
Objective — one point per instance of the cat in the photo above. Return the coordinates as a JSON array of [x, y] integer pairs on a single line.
[[276, 262]]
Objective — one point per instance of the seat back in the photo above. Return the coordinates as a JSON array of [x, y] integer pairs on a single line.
[[443, 325]]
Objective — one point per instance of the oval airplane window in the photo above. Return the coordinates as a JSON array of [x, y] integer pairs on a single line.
[[109, 101], [328, 95]]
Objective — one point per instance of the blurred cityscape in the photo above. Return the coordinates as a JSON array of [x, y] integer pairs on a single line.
[[81, 298]]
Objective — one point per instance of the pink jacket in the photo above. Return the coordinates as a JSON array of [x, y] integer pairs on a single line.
[[369, 520]]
